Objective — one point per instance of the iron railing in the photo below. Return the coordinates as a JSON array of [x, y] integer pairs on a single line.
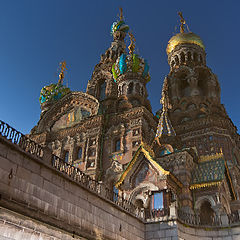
[[20, 139], [98, 187], [214, 220]]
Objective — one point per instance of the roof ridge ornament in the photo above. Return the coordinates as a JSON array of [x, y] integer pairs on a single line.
[[183, 22], [131, 47]]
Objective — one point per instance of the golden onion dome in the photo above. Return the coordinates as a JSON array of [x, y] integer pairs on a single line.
[[184, 37]]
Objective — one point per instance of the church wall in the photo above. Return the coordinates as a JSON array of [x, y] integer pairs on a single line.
[[173, 230], [162, 230], [194, 233], [30, 187]]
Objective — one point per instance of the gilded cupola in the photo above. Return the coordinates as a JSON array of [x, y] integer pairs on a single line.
[[185, 48], [184, 37]]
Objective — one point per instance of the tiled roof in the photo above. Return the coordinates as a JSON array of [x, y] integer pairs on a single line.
[[209, 171]]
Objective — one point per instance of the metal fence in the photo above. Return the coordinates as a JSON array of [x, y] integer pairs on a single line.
[[21, 140], [215, 220], [95, 186]]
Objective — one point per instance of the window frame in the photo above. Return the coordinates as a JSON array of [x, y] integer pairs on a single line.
[[66, 153], [117, 148]]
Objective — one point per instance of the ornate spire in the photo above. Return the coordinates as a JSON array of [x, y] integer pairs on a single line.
[[131, 47], [183, 22], [164, 125], [62, 66], [121, 14]]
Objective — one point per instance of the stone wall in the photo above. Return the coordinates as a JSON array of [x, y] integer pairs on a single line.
[[173, 230], [39, 202], [36, 196], [166, 230], [211, 233]]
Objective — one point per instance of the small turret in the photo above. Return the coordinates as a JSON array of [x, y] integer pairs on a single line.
[[131, 73]]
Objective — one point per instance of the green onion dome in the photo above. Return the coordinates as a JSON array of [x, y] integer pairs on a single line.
[[119, 26], [131, 63], [53, 93]]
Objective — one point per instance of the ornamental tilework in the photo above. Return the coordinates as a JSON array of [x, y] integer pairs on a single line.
[[209, 171]]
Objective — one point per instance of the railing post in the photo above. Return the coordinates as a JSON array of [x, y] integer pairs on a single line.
[[47, 155]]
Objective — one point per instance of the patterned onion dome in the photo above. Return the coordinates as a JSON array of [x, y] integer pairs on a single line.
[[119, 26], [53, 92], [185, 37], [130, 64]]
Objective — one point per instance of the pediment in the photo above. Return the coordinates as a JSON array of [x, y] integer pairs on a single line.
[[68, 111], [142, 168]]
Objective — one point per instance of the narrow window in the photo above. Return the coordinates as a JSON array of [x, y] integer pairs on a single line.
[[91, 152], [182, 57], [195, 57], [115, 194], [117, 146], [79, 153], [102, 91], [176, 60], [66, 156], [130, 88]]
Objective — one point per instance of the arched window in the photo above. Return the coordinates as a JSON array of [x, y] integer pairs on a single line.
[[206, 213], [124, 88], [130, 88], [102, 91], [189, 56], [195, 57], [176, 60], [182, 56], [137, 88]]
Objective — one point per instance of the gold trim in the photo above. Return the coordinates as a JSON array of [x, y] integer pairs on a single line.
[[210, 157], [148, 148], [203, 185], [129, 167], [148, 154], [230, 180]]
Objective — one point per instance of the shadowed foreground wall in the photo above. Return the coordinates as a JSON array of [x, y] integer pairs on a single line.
[[31, 187]]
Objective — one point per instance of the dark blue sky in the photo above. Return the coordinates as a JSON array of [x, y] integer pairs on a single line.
[[36, 35]]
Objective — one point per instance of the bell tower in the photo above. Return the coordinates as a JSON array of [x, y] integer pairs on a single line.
[[197, 114]]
